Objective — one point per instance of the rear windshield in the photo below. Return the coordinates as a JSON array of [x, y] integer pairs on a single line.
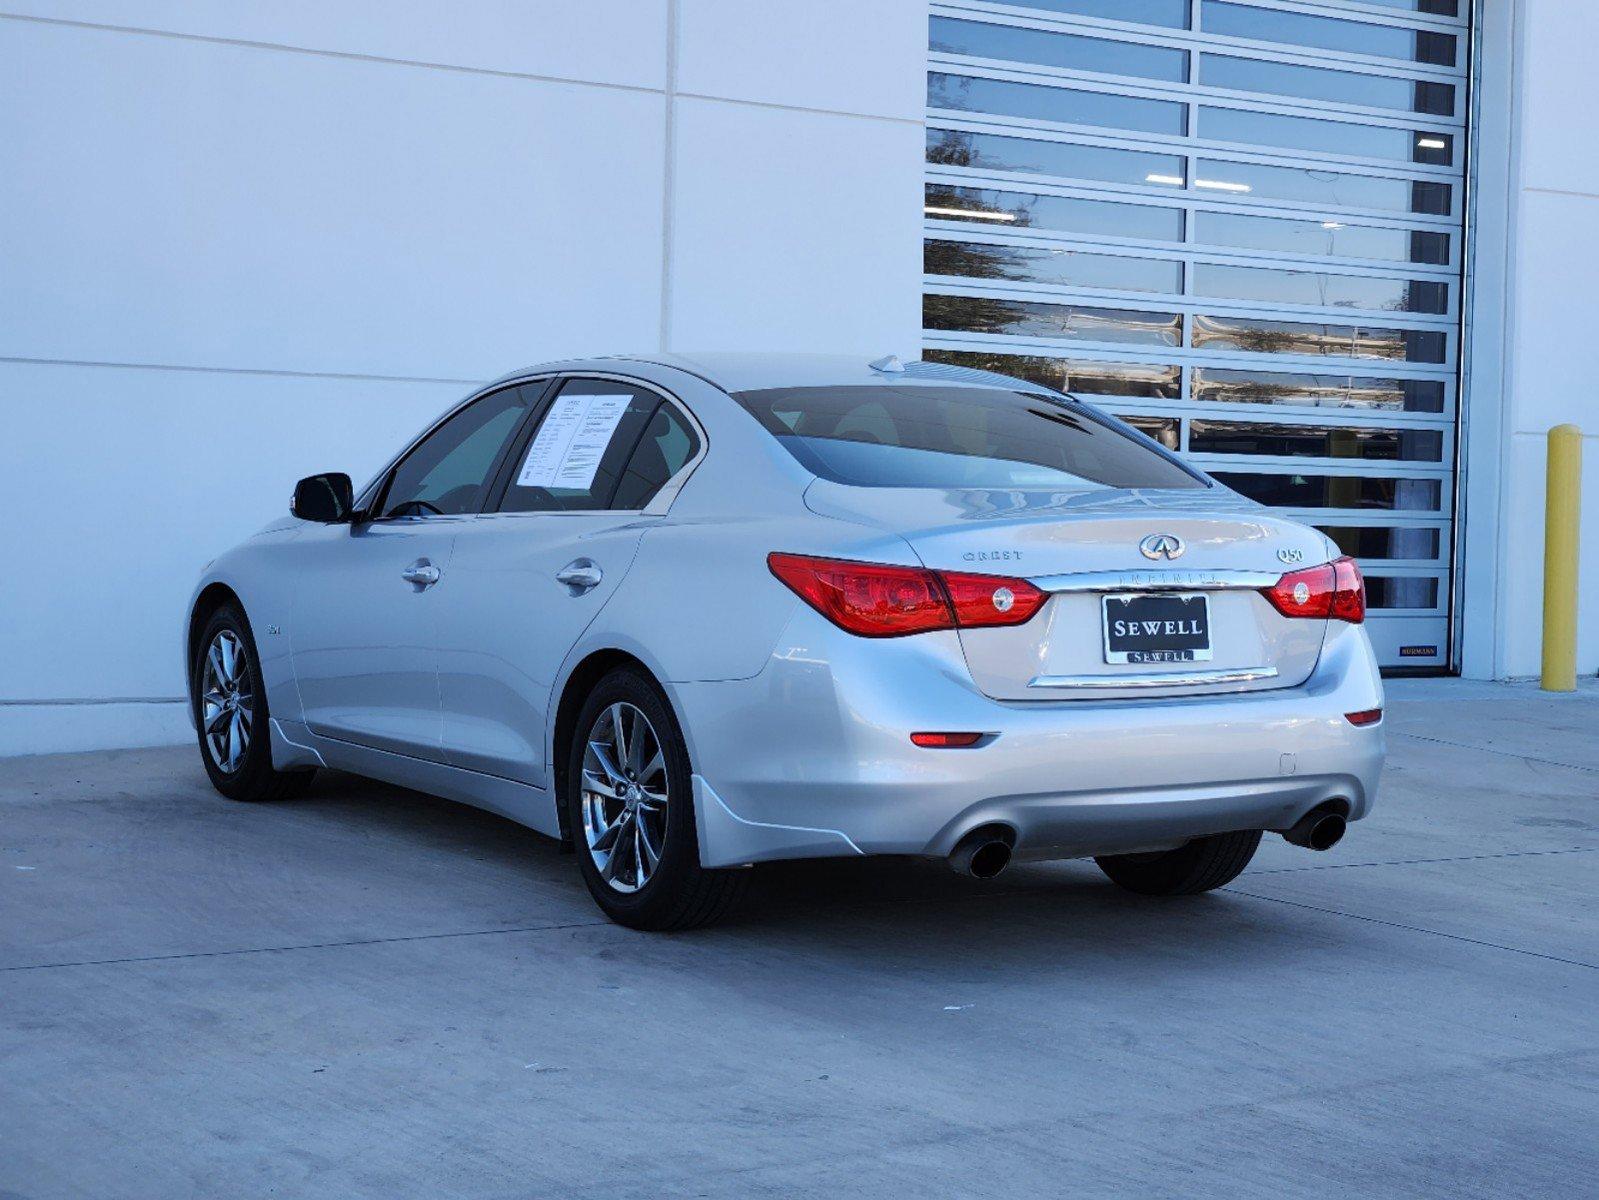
[[879, 435]]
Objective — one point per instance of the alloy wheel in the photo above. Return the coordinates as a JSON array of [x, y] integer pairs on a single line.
[[625, 797], [227, 703]]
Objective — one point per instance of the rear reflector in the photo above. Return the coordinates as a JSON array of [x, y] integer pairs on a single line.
[[1332, 591], [875, 600], [1366, 716], [946, 740]]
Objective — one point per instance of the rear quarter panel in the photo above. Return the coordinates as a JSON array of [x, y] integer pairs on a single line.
[[700, 596]]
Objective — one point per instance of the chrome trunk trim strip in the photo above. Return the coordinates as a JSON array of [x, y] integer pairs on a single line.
[[1159, 679], [1156, 581]]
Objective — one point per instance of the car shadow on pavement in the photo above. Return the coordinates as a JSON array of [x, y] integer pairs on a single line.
[[844, 909]]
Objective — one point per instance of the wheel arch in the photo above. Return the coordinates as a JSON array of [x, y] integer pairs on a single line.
[[587, 671], [210, 598]]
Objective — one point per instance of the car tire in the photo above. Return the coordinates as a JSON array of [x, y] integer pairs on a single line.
[[228, 699], [603, 786], [1200, 866]]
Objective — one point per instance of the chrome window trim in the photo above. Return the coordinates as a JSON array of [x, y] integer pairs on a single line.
[[1196, 145], [953, 229], [1196, 40], [1360, 10], [1198, 252], [1015, 344], [658, 505]]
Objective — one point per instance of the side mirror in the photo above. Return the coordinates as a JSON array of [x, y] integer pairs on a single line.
[[326, 498]]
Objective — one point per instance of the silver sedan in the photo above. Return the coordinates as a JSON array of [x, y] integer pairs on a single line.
[[688, 614]]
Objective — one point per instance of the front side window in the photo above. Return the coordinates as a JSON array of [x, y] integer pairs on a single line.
[[447, 472], [879, 435]]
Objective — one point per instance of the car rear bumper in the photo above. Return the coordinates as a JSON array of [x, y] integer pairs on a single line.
[[812, 757]]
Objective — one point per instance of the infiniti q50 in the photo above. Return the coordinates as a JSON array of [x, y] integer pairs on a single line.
[[690, 614]]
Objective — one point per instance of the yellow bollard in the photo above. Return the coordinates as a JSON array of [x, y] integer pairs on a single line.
[[1561, 523]]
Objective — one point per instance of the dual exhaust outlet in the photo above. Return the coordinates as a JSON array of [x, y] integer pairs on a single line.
[[986, 851]]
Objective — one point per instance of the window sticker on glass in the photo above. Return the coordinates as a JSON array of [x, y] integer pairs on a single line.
[[567, 451]]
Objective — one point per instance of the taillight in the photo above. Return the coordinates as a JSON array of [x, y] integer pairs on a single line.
[[1332, 591], [982, 600], [875, 600], [871, 600]]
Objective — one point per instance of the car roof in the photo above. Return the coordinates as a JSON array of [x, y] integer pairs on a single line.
[[745, 372]]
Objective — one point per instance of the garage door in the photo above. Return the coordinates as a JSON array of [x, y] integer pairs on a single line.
[[1236, 223]]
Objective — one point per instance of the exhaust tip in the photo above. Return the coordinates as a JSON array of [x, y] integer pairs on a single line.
[[1326, 833], [1320, 829], [989, 859], [982, 853]]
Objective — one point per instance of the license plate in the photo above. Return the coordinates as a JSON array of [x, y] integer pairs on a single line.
[[1157, 627]]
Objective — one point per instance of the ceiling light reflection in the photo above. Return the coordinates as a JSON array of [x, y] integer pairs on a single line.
[[968, 212]]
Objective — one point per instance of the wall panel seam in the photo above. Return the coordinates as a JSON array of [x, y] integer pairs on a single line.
[[669, 176], [71, 701], [275, 372], [463, 69], [349, 55]]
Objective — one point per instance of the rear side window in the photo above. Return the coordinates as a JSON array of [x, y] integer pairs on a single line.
[[877, 435], [665, 448], [575, 458]]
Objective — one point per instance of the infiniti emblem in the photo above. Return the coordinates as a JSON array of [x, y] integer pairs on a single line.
[[1161, 545]]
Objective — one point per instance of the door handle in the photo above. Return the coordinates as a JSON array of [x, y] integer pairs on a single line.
[[580, 575], [422, 573]]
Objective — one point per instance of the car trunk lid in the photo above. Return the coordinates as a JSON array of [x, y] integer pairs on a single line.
[[1091, 551]]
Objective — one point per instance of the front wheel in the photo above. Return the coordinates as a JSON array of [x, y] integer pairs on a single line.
[[1199, 866], [230, 714], [630, 807]]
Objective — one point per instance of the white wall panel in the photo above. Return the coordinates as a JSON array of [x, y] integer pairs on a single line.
[[209, 205], [121, 484], [1558, 260], [57, 728], [858, 56], [1554, 261], [288, 211], [608, 41], [1559, 91], [791, 232]]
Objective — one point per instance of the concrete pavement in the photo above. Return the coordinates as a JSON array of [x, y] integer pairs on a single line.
[[372, 993]]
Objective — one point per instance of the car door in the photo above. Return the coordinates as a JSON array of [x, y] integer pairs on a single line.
[[364, 623], [529, 577]]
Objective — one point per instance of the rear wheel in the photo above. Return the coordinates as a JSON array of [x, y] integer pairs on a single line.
[[630, 806], [1201, 865], [230, 714]]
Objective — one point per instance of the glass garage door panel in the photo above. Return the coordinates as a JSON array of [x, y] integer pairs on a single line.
[[1235, 223]]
